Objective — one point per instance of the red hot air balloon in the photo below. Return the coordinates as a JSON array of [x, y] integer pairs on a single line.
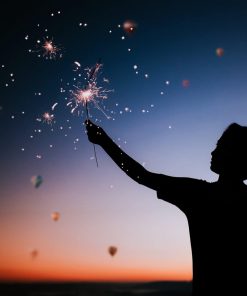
[[185, 83], [112, 250], [34, 253], [219, 52], [129, 26]]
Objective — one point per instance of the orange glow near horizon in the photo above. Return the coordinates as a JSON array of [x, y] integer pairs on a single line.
[[99, 275], [20, 267], [75, 248]]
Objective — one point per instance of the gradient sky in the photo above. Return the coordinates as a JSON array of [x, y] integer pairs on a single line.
[[171, 129]]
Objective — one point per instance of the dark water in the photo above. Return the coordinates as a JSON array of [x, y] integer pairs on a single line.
[[96, 289]]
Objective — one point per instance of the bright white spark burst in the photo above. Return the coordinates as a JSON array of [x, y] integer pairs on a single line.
[[91, 93], [48, 118], [50, 49]]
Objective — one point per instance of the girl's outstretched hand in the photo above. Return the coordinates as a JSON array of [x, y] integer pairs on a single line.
[[95, 133]]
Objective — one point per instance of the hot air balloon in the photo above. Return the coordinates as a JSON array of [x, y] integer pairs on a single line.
[[185, 83], [112, 250], [129, 26], [34, 253], [36, 181], [219, 52], [55, 216]]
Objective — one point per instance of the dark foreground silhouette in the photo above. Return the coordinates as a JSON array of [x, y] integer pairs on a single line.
[[97, 289], [215, 211]]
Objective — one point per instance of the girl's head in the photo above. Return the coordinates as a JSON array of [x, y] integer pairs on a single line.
[[230, 155]]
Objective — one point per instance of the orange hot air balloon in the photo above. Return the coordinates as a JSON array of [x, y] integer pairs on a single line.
[[219, 52], [34, 253], [55, 216], [112, 250]]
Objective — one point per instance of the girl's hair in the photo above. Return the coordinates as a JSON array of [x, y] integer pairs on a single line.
[[233, 143]]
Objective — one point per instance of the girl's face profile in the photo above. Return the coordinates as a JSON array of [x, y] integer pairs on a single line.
[[222, 157], [227, 158]]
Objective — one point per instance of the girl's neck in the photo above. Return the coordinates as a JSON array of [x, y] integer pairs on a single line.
[[229, 179]]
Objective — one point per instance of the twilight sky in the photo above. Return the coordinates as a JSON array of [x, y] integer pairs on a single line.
[[167, 125]]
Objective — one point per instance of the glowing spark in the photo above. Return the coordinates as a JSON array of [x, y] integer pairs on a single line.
[[77, 64], [72, 110], [89, 95], [53, 106], [48, 118], [50, 49], [84, 96]]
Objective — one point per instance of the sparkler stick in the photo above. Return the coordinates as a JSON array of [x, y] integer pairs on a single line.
[[94, 149], [92, 76]]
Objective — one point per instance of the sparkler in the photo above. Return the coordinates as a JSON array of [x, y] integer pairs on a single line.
[[48, 117], [50, 49], [90, 93]]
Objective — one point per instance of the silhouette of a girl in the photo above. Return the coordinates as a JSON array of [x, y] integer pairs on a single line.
[[215, 211]]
